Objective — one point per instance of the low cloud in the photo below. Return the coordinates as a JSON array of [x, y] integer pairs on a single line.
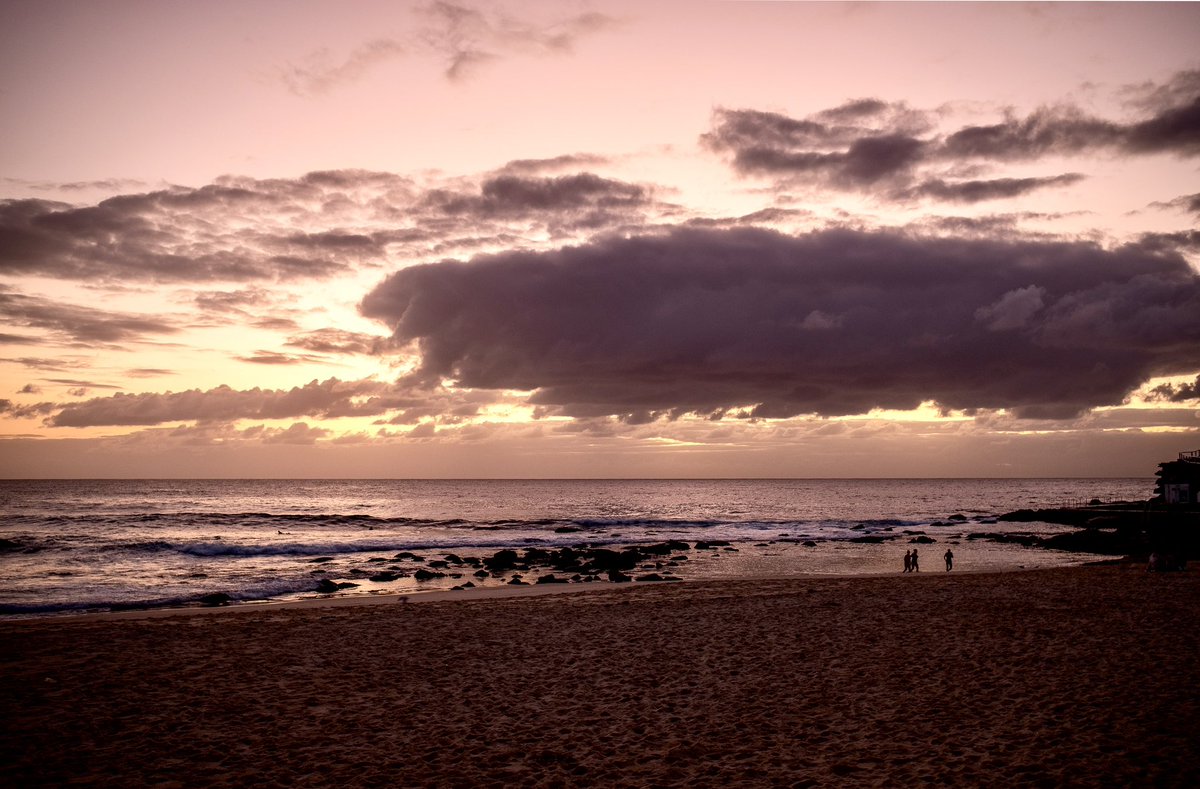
[[1177, 393], [79, 325], [835, 322], [870, 143], [566, 201], [340, 341], [980, 190], [328, 399], [254, 233], [1189, 203]]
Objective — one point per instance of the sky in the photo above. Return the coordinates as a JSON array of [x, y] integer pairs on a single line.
[[598, 239]]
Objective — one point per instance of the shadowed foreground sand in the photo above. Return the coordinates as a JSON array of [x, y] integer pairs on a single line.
[[1082, 677]]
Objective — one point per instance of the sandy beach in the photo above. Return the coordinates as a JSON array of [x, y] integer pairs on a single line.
[[1083, 676]]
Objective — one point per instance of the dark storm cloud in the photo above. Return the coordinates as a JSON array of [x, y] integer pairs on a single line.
[[868, 142], [833, 322], [981, 190], [82, 325], [1177, 393]]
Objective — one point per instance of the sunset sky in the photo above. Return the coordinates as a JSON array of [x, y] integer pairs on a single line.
[[598, 239]]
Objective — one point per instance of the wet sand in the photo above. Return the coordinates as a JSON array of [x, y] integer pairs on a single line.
[[1085, 676]]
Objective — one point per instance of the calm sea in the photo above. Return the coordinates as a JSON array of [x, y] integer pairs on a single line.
[[76, 545]]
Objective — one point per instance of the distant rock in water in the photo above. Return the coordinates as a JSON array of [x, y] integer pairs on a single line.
[[327, 586], [215, 599]]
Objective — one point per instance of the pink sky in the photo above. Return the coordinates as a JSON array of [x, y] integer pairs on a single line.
[[598, 239]]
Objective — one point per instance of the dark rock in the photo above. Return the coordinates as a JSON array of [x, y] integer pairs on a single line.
[[406, 555], [468, 585], [377, 559], [664, 548], [426, 575], [481, 573], [501, 560], [870, 538], [215, 599], [320, 560], [552, 579], [679, 558], [809, 544], [384, 577], [439, 564], [451, 558], [708, 544], [604, 559], [958, 516], [923, 540], [327, 586], [1106, 541], [618, 577], [516, 581], [650, 577], [566, 530]]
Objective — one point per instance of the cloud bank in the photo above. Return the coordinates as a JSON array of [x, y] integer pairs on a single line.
[[873, 144], [833, 322]]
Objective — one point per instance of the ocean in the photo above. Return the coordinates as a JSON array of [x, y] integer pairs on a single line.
[[70, 546]]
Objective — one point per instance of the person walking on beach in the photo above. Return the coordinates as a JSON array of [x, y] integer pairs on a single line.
[[949, 560], [916, 568], [908, 561]]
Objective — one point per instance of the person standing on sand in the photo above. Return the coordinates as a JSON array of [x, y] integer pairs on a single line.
[[916, 568], [949, 560], [908, 561]]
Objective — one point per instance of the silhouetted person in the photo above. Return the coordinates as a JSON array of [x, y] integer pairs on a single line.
[[916, 568], [908, 561], [949, 560]]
